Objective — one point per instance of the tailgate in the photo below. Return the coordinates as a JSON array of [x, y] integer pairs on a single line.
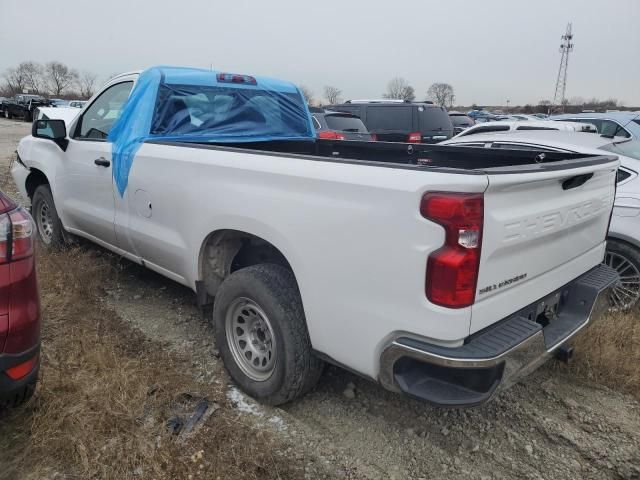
[[542, 228]]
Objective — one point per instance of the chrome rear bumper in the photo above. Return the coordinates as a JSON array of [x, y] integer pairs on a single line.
[[500, 355]]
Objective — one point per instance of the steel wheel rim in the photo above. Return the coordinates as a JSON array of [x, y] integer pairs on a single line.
[[251, 339], [626, 293], [45, 222]]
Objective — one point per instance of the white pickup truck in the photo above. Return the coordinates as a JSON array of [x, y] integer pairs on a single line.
[[440, 272]]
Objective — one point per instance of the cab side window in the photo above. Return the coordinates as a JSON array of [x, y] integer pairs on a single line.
[[97, 121]]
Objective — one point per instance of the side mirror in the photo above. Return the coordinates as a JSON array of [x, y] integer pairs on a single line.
[[51, 129]]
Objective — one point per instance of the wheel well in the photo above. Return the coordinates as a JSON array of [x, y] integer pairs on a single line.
[[225, 251], [34, 180]]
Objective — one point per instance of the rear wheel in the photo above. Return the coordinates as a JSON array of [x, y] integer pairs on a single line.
[[262, 334], [27, 116], [46, 218], [625, 259]]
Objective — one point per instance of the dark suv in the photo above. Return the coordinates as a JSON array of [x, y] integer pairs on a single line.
[[401, 121], [339, 125], [19, 306], [24, 106]]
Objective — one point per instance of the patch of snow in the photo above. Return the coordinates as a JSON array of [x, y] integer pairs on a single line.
[[242, 403], [278, 423]]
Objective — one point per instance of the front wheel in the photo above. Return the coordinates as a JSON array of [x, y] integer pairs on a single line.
[[262, 335], [46, 218], [625, 259]]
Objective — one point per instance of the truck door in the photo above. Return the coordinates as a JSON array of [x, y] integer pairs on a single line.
[[85, 180]]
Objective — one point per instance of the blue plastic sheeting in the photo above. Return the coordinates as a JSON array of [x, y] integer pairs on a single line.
[[192, 105]]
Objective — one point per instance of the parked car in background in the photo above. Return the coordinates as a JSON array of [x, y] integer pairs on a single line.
[[521, 117], [339, 125], [23, 106], [77, 103], [623, 242], [481, 116], [506, 126], [401, 121], [68, 114], [19, 306], [613, 124], [58, 102], [460, 122]]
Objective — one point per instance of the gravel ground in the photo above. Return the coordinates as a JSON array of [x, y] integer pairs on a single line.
[[553, 426]]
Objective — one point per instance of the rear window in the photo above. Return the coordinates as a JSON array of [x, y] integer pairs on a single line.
[[433, 118], [209, 110], [392, 118], [345, 123], [628, 148]]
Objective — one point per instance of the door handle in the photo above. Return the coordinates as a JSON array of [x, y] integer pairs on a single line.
[[576, 181], [102, 162]]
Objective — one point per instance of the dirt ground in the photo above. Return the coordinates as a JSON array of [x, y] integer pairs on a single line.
[[553, 426]]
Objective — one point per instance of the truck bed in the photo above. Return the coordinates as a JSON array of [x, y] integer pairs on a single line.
[[412, 156]]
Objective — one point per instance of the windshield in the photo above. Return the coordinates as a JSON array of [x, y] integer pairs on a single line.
[[345, 123], [460, 120], [628, 149]]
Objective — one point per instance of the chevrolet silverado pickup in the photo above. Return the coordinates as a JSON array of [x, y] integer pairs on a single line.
[[440, 272]]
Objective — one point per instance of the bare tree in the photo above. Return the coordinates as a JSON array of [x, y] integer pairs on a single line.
[[15, 79], [441, 94], [34, 74], [399, 89], [332, 94], [308, 94], [59, 77], [576, 101], [86, 84], [27, 75]]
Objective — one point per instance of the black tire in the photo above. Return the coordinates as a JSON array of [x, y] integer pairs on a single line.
[[27, 116], [42, 199], [19, 397], [617, 253], [274, 290]]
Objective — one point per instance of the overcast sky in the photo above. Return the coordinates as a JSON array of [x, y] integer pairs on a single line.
[[489, 50]]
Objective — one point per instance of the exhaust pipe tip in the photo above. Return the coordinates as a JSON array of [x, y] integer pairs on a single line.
[[564, 354]]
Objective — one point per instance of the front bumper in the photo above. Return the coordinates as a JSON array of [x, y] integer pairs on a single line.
[[500, 355]]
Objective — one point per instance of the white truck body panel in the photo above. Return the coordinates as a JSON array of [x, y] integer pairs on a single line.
[[352, 232]]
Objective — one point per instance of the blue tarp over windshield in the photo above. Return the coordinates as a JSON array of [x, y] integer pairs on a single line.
[[192, 105]]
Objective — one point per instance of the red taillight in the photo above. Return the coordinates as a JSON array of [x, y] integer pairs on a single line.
[[415, 137], [22, 369], [16, 236], [374, 137], [452, 270], [331, 135]]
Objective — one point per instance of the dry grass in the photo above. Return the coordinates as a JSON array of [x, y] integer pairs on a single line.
[[608, 352], [106, 394]]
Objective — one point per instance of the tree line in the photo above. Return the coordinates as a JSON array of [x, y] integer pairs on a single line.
[[398, 88], [51, 79]]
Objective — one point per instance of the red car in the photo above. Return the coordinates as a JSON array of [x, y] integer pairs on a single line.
[[19, 306]]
